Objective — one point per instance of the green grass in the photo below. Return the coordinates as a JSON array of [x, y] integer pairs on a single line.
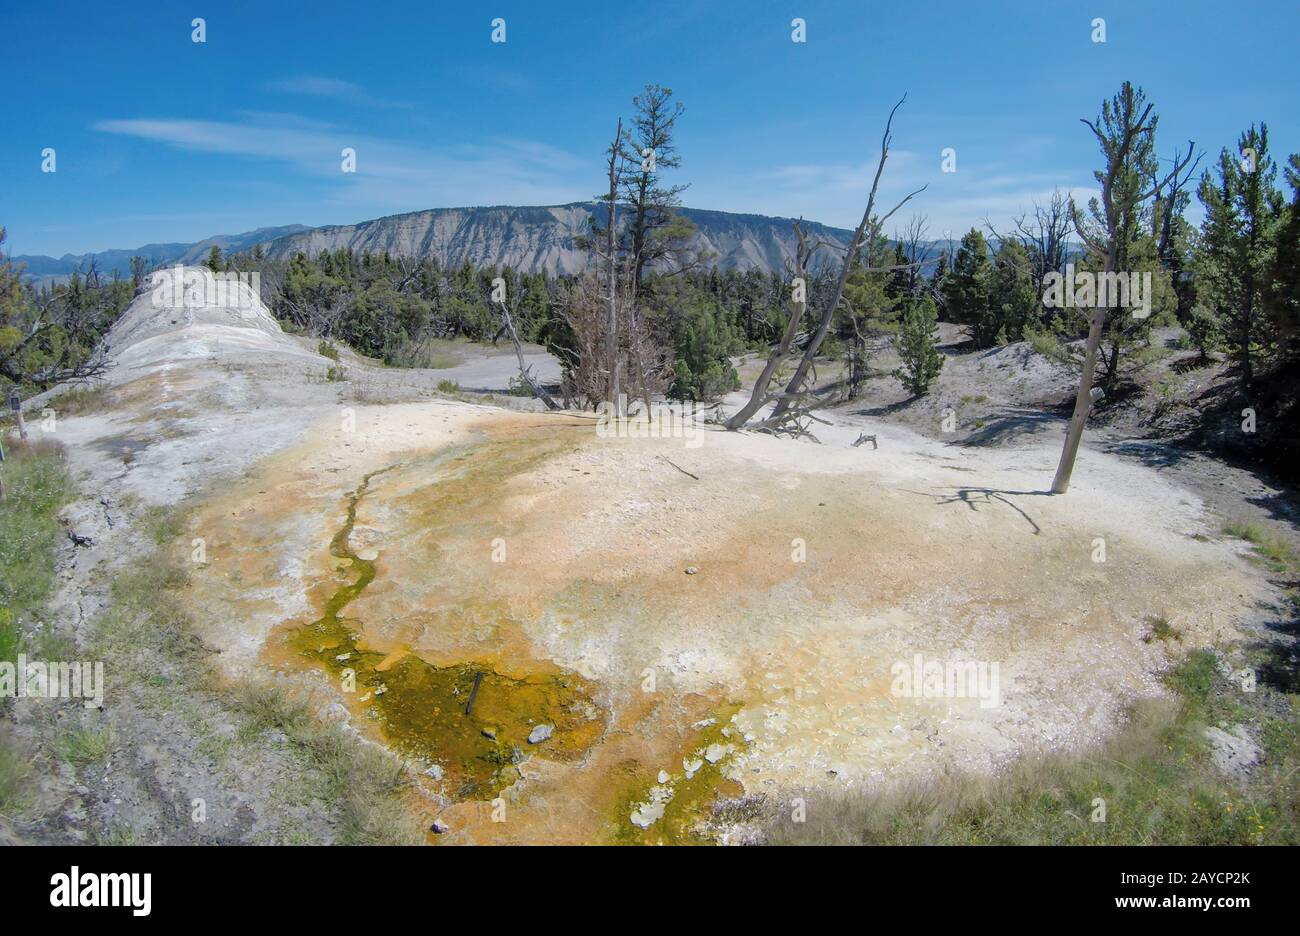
[[1275, 551], [16, 776], [162, 525], [1155, 778], [364, 782], [83, 747], [119, 835], [1161, 629], [147, 638], [36, 487], [145, 635]]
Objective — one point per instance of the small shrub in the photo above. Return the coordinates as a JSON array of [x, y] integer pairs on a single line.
[[1203, 332], [1045, 342], [1161, 629], [81, 746]]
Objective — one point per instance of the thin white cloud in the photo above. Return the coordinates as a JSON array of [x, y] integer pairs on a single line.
[[393, 176], [504, 80], [333, 88], [836, 193], [390, 174]]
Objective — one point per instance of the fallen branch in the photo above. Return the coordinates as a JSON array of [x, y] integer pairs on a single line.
[[679, 467]]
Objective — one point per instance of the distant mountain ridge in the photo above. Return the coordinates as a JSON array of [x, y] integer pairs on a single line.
[[43, 268], [525, 238]]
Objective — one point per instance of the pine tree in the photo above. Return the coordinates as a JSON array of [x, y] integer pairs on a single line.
[[703, 368], [1242, 211], [1284, 285], [869, 309], [968, 287], [139, 266], [1014, 302], [917, 337], [1125, 132], [654, 231]]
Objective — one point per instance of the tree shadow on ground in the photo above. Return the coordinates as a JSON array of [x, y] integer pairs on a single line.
[[887, 409], [1279, 667], [1011, 423], [1283, 505], [1192, 362], [1151, 454], [974, 497]]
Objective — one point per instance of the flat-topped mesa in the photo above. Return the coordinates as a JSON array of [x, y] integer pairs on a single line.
[[190, 311]]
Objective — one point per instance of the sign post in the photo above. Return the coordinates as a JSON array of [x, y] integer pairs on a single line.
[[16, 406]]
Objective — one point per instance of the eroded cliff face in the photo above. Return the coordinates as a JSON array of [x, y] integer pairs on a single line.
[[525, 238], [532, 239]]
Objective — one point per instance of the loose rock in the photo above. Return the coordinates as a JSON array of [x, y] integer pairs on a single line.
[[1233, 753]]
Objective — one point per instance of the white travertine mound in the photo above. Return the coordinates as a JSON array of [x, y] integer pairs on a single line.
[[189, 312]]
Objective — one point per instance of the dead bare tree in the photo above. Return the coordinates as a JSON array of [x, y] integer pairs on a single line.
[[798, 309], [650, 367], [1169, 203], [584, 307], [610, 262], [525, 370], [917, 250], [793, 406], [47, 375], [1118, 132], [1047, 236]]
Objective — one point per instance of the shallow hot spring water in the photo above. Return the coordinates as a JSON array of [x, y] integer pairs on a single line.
[[424, 711]]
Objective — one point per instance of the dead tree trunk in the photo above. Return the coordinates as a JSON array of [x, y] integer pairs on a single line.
[[1117, 149], [793, 403], [525, 372], [611, 215], [636, 339], [799, 308]]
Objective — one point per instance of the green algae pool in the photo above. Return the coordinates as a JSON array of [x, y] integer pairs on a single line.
[[421, 709]]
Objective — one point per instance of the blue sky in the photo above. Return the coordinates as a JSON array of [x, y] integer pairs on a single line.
[[162, 139]]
